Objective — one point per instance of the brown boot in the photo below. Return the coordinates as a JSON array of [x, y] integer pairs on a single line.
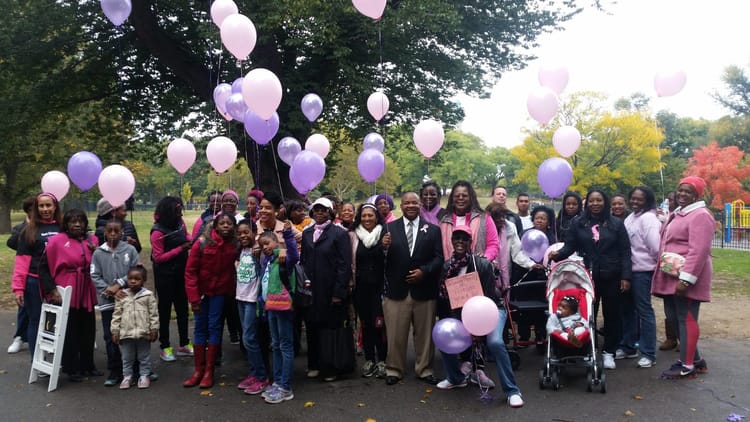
[[199, 356], [671, 340], [208, 374]]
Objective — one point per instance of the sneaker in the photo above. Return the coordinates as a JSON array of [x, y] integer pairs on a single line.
[[144, 382], [368, 369], [234, 338], [153, 376], [112, 379], [447, 385], [645, 362], [270, 389], [257, 387], [481, 379], [621, 354], [186, 350], [678, 371], [16, 345], [330, 378], [700, 366], [608, 360], [167, 355], [466, 368], [279, 395], [126, 381], [380, 371], [515, 400], [247, 382], [312, 373]]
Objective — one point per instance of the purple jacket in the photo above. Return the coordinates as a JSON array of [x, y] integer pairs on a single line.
[[643, 229], [689, 233]]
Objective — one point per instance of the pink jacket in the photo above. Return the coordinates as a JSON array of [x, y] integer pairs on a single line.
[[688, 233], [69, 262], [486, 239]]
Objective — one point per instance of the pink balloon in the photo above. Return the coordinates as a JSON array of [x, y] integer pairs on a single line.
[[238, 35], [554, 77], [116, 183], [222, 92], [377, 105], [262, 92], [181, 154], [566, 140], [542, 105], [56, 183], [307, 171], [371, 164], [318, 144], [480, 315], [220, 9], [370, 8], [429, 137], [553, 247], [221, 153], [669, 83]]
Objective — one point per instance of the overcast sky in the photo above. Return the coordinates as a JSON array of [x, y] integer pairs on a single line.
[[618, 54]]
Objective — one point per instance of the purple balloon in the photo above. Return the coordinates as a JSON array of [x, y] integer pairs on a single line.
[[307, 171], [288, 149], [262, 131], [450, 336], [237, 86], [535, 243], [117, 11], [311, 106], [221, 95], [373, 141], [236, 106], [554, 176], [371, 164], [83, 169]]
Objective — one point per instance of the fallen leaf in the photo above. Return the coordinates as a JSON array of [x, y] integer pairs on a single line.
[[3, 371], [370, 420], [222, 384], [206, 393], [629, 413], [309, 403], [692, 409], [638, 397], [360, 405], [423, 401], [49, 404], [429, 390]]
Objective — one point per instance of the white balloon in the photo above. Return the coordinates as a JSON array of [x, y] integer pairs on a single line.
[[116, 183], [319, 144], [262, 92], [668, 83], [56, 183], [378, 105], [238, 35], [429, 137], [554, 77], [221, 153], [220, 9]]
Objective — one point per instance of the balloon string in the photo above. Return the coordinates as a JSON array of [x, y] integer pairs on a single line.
[[278, 175], [257, 167]]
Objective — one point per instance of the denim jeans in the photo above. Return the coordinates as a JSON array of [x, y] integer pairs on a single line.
[[22, 324], [638, 317], [281, 324], [114, 358], [249, 322], [208, 320], [496, 345], [32, 300]]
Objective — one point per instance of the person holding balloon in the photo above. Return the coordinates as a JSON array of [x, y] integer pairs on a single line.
[[105, 213], [431, 210], [463, 209], [204, 220], [385, 206], [603, 242], [480, 317], [252, 202], [511, 249]]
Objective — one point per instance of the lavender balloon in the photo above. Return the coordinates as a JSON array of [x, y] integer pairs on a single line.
[[371, 164], [83, 169], [308, 170], [221, 95], [311, 106], [260, 130], [288, 149], [237, 85], [236, 106], [373, 141], [117, 11], [450, 336], [535, 243], [554, 176]]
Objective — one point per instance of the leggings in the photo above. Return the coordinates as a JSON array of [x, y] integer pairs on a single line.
[[685, 311]]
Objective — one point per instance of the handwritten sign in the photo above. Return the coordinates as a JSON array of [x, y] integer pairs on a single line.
[[462, 288]]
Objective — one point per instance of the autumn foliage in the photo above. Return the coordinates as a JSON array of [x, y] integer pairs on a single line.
[[724, 170]]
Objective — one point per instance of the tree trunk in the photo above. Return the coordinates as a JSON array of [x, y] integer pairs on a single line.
[[4, 216]]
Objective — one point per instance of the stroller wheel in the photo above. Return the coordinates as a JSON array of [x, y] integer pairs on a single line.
[[515, 359], [541, 348], [555, 380], [603, 383], [542, 379], [590, 380]]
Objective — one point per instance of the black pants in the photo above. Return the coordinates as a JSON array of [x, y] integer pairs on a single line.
[[78, 352], [232, 317], [114, 358], [612, 321], [170, 290]]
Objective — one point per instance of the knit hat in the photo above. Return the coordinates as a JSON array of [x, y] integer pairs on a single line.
[[696, 182], [387, 198], [103, 207], [231, 193]]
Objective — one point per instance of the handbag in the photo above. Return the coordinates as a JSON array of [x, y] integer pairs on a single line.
[[671, 263], [303, 295], [337, 349]]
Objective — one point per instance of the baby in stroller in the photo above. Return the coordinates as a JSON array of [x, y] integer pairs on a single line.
[[567, 322]]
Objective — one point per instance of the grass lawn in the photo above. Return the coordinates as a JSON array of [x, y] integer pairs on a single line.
[[731, 272]]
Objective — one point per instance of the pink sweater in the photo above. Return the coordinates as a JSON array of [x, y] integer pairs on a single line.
[[489, 238], [689, 234]]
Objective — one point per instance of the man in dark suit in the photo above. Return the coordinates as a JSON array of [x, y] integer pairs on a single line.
[[414, 258]]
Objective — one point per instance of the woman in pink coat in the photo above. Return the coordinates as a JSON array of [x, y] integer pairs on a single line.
[[66, 262], [688, 233]]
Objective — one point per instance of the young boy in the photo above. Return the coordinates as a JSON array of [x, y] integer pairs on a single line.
[[567, 321], [109, 271]]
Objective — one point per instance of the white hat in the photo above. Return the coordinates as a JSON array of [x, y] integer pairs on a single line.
[[325, 202]]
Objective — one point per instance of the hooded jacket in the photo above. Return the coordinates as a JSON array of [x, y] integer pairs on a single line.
[[136, 315], [109, 267]]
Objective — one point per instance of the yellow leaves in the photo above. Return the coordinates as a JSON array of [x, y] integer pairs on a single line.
[[629, 413], [360, 405], [370, 420], [637, 397], [207, 393], [309, 404]]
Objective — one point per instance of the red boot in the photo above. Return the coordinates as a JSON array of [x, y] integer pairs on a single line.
[[208, 374], [199, 356]]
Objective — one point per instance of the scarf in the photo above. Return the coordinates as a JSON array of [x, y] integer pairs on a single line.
[[431, 216], [369, 239], [319, 230], [454, 267]]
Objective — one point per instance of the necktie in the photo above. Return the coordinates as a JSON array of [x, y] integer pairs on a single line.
[[410, 235]]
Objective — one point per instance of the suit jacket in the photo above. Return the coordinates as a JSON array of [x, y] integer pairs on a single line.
[[427, 256]]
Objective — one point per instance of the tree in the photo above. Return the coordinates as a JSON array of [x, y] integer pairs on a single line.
[[724, 170], [737, 99]]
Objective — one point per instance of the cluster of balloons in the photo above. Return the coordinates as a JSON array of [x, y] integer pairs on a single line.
[[371, 161], [307, 167], [117, 11], [237, 31], [479, 317], [116, 183], [542, 101], [253, 100]]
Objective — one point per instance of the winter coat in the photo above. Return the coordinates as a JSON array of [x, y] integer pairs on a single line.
[[135, 316], [110, 267], [66, 262], [28, 255], [328, 264], [210, 268]]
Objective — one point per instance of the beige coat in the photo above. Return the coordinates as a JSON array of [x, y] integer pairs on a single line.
[[136, 315]]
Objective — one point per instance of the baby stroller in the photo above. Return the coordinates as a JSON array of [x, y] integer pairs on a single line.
[[570, 278], [527, 305]]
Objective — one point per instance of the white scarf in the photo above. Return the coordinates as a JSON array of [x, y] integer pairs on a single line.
[[369, 239]]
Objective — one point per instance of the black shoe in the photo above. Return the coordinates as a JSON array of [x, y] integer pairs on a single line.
[[234, 338], [153, 376], [92, 373], [75, 378], [112, 379], [391, 380], [430, 379]]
